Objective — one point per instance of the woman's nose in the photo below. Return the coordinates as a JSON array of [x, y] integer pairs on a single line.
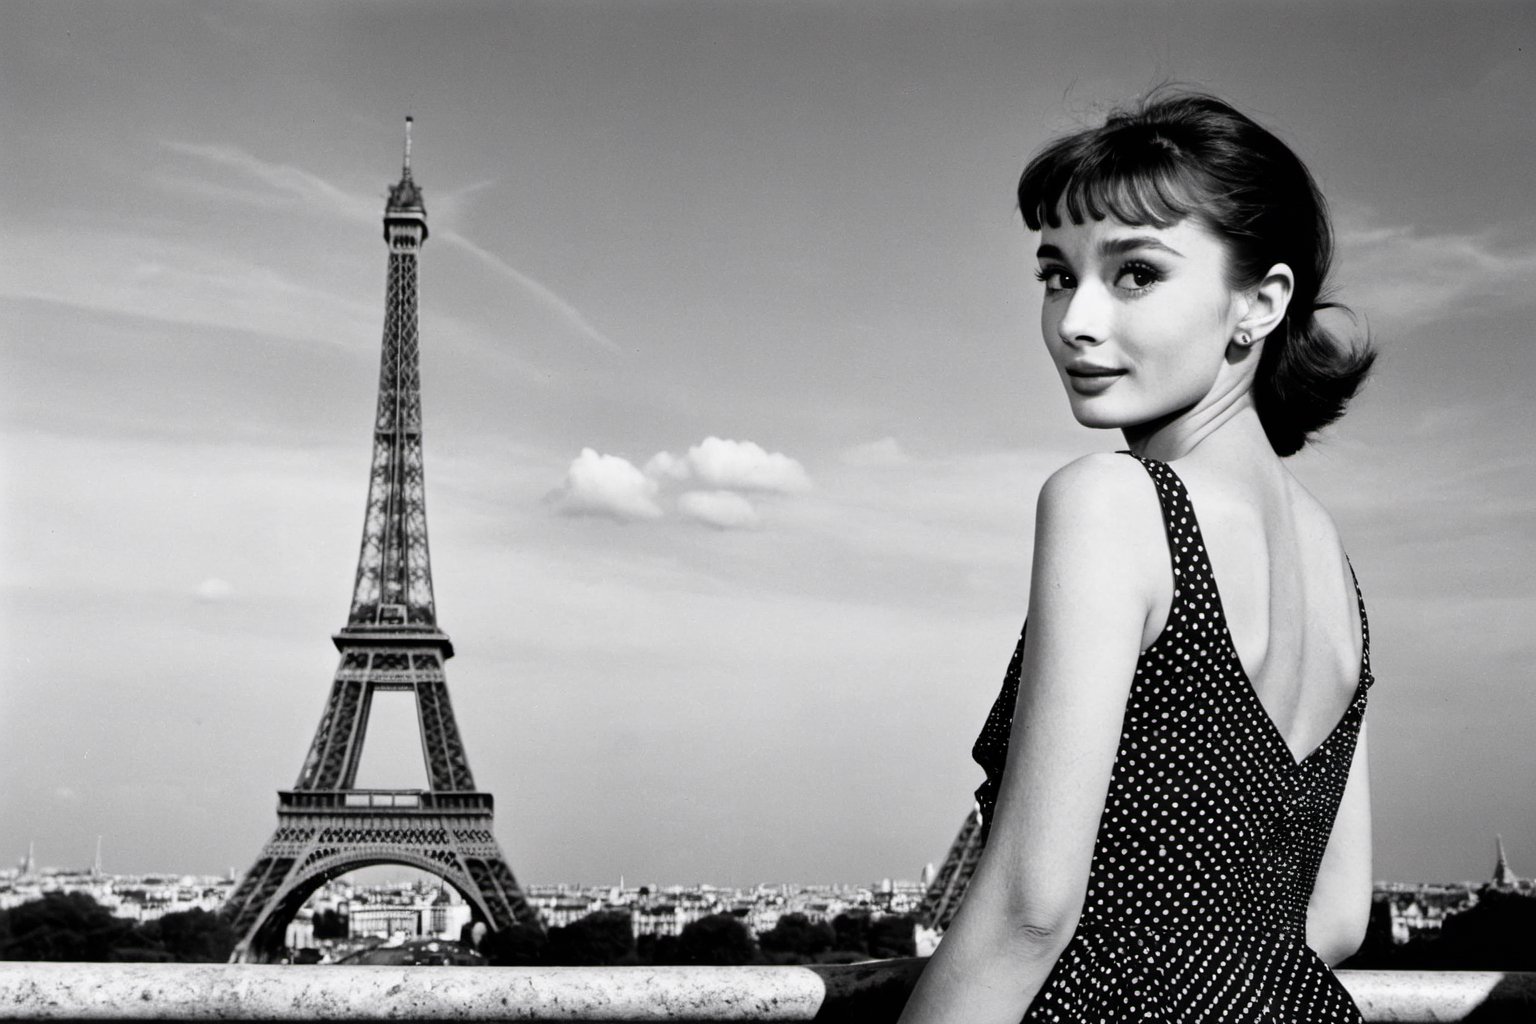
[[1085, 321]]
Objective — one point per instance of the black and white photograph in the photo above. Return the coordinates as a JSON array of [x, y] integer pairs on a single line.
[[952, 511]]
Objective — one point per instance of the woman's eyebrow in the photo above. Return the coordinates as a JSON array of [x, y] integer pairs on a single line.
[[1113, 247], [1120, 246]]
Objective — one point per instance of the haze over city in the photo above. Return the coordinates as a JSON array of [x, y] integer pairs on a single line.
[[735, 406]]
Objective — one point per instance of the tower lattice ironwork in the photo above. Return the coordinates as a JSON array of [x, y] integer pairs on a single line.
[[326, 826], [947, 889]]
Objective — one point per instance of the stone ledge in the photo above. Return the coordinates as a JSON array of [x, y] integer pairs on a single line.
[[856, 992]]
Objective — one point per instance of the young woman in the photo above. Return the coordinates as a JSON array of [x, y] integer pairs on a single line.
[[1176, 792]]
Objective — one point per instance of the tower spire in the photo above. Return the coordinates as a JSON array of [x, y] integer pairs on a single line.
[[1503, 877], [405, 208]]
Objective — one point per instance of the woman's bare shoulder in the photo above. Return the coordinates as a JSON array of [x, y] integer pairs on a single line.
[[1093, 480], [1102, 508]]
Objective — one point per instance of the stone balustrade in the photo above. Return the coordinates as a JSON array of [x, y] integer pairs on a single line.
[[869, 992]]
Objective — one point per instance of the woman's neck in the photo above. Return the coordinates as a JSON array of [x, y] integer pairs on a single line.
[[1228, 422]]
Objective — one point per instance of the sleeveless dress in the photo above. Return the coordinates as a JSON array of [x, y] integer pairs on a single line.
[[1211, 835]]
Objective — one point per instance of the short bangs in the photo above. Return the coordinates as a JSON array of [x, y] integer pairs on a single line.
[[1132, 172]]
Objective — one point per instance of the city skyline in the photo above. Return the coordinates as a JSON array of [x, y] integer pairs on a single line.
[[735, 407]]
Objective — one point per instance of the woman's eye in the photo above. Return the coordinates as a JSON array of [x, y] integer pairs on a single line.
[[1137, 276], [1055, 279]]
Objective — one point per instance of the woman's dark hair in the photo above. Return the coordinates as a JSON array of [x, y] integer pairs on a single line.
[[1178, 155]]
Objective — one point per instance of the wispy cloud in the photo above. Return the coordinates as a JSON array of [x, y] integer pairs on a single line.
[[279, 180], [567, 313], [145, 276], [280, 183], [1398, 272], [450, 207]]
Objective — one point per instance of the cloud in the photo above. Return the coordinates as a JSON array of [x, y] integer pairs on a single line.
[[181, 282], [744, 466], [214, 589], [279, 183], [666, 466], [606, 485], [568, 313], [884, 452], [725, 510], [279, 180], [610, 486], [452, 206], [1399, 273]]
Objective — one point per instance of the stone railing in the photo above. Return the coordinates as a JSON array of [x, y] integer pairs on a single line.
[[869, 992]]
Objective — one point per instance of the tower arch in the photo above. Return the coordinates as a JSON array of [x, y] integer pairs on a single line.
[[267, 936]]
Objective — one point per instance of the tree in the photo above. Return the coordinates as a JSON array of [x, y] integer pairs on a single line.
[[1498, 934], [329, 924], [657, 949], [192, 936], [892, 935], [797, 939], [73, 926], [68, 926], [599, 939], [521, 945], [717, 939], [852, 931]]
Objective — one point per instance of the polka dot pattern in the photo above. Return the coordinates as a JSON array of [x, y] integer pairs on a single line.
[[1212, 830]]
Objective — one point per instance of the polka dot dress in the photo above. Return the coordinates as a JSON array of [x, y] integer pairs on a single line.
[[1211, 835]]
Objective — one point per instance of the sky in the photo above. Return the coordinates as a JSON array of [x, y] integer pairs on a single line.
[[735, 401]]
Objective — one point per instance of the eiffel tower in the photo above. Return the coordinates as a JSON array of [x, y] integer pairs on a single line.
[[947, 889], [326, 826]]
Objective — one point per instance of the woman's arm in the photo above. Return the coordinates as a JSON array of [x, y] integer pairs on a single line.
[[1340, 907], [1100, 555]]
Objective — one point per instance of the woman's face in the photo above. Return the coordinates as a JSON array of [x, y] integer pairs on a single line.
[[1136, 318]]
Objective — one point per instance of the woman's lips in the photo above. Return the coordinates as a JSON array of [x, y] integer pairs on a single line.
[[1092, 380]]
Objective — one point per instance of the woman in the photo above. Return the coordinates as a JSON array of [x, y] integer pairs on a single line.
[[1176, 789]]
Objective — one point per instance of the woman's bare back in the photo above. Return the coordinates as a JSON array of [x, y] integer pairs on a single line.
[[1288, 593]]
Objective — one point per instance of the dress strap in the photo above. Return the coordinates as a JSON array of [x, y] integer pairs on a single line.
[[1185, 548], [1367, 677]]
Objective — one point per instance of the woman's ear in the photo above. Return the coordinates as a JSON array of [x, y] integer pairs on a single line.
[[1267, 305]]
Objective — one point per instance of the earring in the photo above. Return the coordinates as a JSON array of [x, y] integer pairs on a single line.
[[1243, 339]]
